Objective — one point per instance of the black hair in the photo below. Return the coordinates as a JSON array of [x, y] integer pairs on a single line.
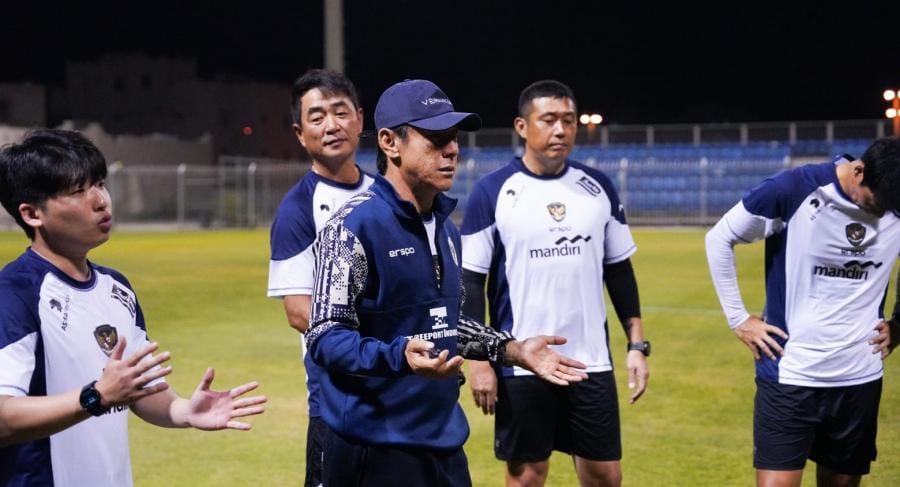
[[402, 131], [881, 172], [328, 81], [540, 89], [44, 164]]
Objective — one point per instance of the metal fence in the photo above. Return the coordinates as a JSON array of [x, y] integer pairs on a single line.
[[791, 133], [666, 174], [661, 192]]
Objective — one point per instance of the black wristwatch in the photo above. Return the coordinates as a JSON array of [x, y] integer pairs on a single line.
[[643, 347], [90, 400]]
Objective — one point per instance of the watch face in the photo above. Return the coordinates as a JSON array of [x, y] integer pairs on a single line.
[[90, 400]]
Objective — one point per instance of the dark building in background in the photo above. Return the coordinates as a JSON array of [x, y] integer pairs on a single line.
[[135, 94], [23, 104]]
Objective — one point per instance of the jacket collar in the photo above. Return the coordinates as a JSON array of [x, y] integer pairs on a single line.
[[442, 207]]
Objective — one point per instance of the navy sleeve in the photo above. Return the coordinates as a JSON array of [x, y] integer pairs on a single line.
[[333, 338]]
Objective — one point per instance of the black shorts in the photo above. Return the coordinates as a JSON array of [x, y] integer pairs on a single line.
[[315, 440], [351, 463], [832, 426], [535, 417]]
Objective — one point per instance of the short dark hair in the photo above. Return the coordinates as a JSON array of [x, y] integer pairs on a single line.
[[44, 164], [381, 161], [328, 81], [881, 172], [540, 89]]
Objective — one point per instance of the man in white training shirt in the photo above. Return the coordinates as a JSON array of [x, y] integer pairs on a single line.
[[327, 122], [74, 353], [832, 236], [548, 234]]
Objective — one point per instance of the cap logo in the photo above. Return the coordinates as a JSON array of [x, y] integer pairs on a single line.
[[435, 101]]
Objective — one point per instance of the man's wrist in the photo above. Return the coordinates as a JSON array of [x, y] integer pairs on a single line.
[[91, 400], [508, 352], [642, 346]]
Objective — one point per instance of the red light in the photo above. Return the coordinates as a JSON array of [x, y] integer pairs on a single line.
[[247, 130]]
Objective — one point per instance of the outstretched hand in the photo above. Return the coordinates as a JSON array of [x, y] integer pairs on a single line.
[[125, 380], [216, 410], [757, 335], [423, 360], [536, 355]]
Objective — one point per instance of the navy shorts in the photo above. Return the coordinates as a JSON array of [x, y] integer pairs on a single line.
[[534, 417], [832, 426], [315, 440], [351, 463]]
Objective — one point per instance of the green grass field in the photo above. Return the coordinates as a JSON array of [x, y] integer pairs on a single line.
[[203, 295]]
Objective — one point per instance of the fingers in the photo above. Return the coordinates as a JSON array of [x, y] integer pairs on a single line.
[[249, 401], [418, 346], [243, 389], [152, 362], [766, 344], [753, 350], [777, 331], [237, 425], [555, 377], [571, 363], [485, 400], [571, 374], [638, 376], [151, 376], [207, 379], [553, 339], [248, 411], [138, 356], [882, 340], [453, 365], [118, 350]]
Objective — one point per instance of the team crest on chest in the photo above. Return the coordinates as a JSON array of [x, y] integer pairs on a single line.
[[557, 211], [856, 233], [107, 337]]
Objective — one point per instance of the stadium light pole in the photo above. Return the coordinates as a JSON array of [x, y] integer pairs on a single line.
[[893, 113], [590, 120]]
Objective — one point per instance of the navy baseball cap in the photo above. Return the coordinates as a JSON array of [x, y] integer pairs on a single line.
[[423, 105]]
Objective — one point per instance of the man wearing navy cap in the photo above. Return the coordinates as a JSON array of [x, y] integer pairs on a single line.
[[385, 321]]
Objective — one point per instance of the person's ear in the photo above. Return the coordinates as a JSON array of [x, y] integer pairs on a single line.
[[388, 141], [298, 132], [520, 124], [32, 215]]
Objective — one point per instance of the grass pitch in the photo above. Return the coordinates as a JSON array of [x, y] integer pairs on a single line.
[[203, 295]]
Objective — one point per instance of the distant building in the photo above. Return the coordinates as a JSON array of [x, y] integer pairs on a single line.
[[23, 104], [136, 94]]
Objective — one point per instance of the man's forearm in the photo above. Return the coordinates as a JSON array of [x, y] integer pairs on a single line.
[[342, 348], [30, 418], [165, 409], [297, 308]]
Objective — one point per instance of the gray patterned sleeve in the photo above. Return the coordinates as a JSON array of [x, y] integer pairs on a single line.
[[479, 342], [341, 270]]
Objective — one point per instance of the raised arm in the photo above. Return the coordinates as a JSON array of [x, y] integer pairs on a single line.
[[206, 409]]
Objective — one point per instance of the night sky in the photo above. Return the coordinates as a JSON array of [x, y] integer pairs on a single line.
[[635, 62]]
